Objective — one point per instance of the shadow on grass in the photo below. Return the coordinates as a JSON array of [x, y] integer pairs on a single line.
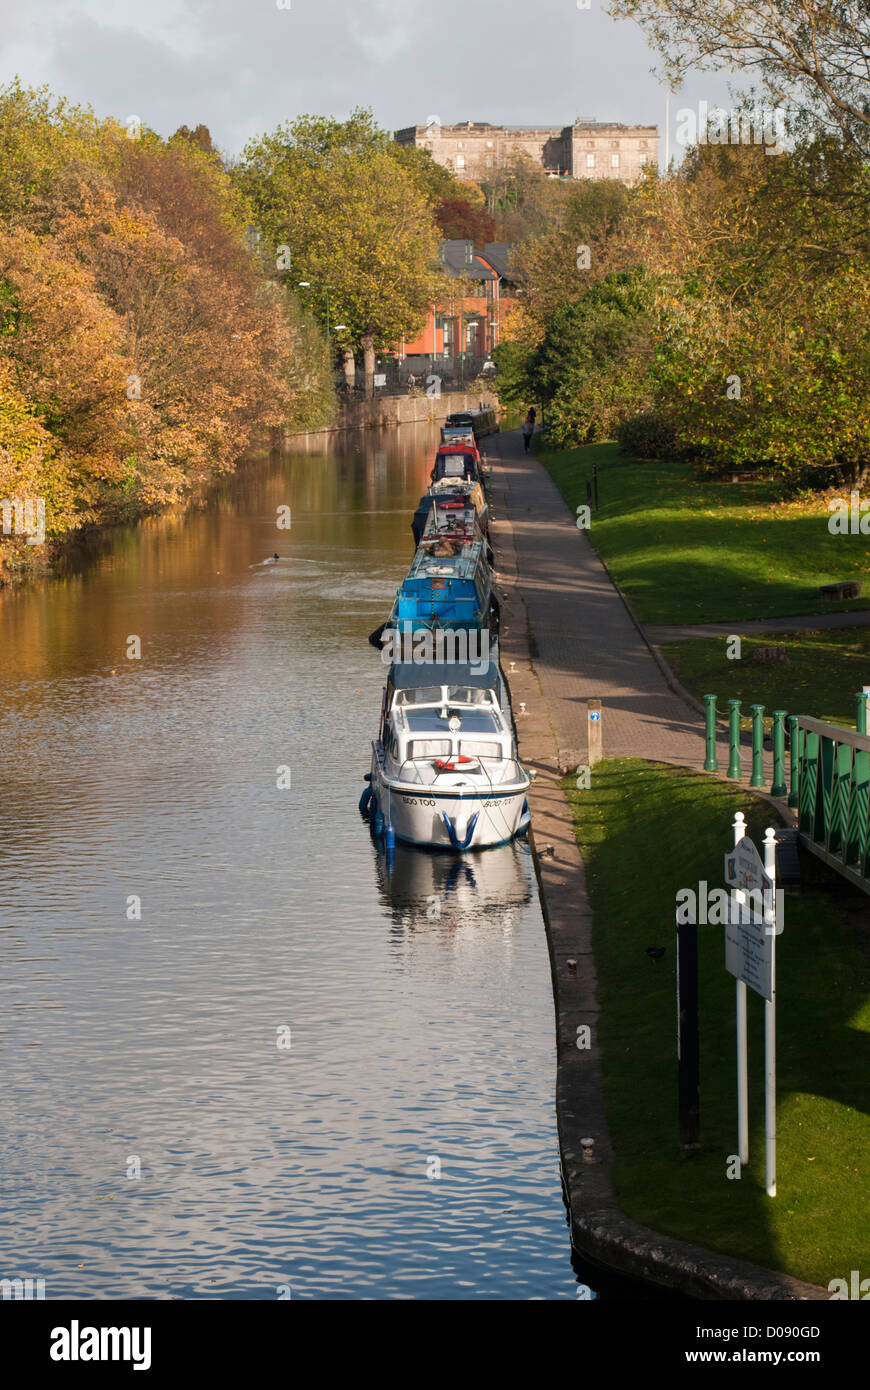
[[647, 831]]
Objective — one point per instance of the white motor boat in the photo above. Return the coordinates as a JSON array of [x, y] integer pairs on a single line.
[[445, 771]]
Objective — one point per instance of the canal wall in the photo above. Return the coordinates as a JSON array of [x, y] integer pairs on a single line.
[[385, 411], [547, 665]]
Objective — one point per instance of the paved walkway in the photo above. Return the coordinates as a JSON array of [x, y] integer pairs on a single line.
[[810, 622], [584, 644]]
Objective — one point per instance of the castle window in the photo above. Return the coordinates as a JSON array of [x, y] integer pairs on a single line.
[[489, 144], [590, 161], [460, 161], [614, 161]]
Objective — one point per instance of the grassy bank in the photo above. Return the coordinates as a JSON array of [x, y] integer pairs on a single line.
[[689, 550], [632, 828], [824, 671]]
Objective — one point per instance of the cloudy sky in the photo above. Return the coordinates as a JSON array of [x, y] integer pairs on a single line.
[[241, 66]]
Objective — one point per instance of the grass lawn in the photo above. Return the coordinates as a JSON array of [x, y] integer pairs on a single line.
[[631, 828], [825, 670], [689, 551]]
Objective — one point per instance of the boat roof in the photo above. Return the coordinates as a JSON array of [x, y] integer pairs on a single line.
[[409, 675], [464, 565]]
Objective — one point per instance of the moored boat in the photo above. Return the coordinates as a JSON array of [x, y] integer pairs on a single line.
[[445, 771]]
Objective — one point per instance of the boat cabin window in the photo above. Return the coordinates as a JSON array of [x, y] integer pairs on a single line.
[[420, 695], [429, 748], [454, 467], [435, 695], [473, 748], [467, 695]]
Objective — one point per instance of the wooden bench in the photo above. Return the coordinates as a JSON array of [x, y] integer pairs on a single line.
[[847, 588]]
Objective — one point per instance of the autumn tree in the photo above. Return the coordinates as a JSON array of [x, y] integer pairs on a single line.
[[813, 52], [459, 220]]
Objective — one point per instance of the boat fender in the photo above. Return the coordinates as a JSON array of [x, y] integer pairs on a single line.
[[364, 801]]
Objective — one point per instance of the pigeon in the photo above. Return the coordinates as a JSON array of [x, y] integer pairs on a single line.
[[655, 952]]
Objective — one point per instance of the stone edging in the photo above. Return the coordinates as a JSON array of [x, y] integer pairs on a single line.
[[599, 1229]]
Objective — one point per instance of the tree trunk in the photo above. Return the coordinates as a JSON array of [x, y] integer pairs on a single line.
[[368, 347], [349, 367]]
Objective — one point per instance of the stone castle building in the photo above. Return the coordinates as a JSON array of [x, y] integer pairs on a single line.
[[587, 149]]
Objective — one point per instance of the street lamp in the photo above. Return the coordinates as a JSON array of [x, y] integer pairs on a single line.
[[306, 285]]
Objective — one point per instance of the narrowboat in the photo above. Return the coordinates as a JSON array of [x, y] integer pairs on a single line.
[[456, 495], [483, 421], [449, 584], [456, 463]]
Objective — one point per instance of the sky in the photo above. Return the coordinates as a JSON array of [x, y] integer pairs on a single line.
[[242, 66]]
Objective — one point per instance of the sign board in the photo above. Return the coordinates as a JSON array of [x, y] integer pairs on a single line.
[[744, 868], [380, 378], [749, 949], [595, 715]]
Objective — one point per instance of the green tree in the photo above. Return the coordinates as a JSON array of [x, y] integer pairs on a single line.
[[355, 223]]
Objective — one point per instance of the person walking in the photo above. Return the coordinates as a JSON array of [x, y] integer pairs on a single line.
[[528, 430]]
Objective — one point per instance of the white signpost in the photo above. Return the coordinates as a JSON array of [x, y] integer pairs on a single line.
[[750, 955]]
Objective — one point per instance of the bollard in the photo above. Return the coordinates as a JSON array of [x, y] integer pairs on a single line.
[[734, 769], [595, 483], [757, 778], [861, 720], [589, 494], [779, 787], [593, 732], [794, 758], [710, 763]]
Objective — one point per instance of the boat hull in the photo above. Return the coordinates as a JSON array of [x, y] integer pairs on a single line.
[[454, 818]]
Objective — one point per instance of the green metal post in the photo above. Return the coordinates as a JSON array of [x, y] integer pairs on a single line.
[[861, 721], [710, 763], [757, 778], [779, 787], [734, 769], [794, 759]]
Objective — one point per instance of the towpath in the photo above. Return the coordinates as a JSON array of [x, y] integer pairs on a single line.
[[584, 643]]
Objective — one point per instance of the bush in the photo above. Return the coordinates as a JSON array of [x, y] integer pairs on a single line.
[[646, 436]]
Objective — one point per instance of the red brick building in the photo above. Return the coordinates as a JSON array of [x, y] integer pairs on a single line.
[[465, 326]]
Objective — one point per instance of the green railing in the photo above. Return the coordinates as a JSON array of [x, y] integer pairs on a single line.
[[833, 766], [829, 778]]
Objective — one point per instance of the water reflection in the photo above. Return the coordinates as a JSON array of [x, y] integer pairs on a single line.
[[475, 897]]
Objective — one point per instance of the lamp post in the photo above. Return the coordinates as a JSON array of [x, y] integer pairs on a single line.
[[306, 285]]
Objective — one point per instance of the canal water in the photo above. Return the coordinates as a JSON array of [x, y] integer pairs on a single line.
[[240, 1059]]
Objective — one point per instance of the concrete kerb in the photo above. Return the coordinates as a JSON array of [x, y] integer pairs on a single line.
[[599, 1229]]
